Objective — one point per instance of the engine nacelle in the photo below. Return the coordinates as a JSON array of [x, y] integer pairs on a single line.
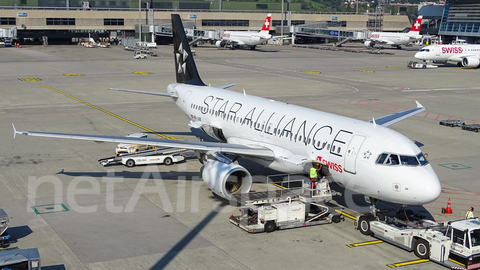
[[471, 62], [225, 179], [369, 43], [220, 43], [214, 133]]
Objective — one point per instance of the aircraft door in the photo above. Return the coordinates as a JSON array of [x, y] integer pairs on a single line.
[[185, 98], [352, 152], [437, 50]]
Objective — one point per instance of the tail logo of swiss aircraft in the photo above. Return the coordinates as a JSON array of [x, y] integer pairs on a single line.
[[266, 25], [182, 65]]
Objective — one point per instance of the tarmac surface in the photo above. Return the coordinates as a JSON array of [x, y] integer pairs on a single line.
[[81, 215]]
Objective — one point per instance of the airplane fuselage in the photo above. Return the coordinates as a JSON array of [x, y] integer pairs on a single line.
[[393, 38], [351, 148], [246, 37], [454, 53]]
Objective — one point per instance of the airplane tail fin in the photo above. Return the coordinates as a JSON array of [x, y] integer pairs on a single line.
[[184, 64], [266, 24], [416, 26]]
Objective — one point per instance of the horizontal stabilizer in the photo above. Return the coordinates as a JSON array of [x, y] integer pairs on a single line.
[[145, 92], [397, 117]]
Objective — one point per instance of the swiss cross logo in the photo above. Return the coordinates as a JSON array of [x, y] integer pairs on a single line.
[[417, 25], [266, 23]]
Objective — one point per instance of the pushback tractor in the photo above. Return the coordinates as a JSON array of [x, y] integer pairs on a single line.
[[455, 244]]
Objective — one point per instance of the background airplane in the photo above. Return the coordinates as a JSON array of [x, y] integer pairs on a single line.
[[463, 55], [395, 39], [366, 157], [249, 38]]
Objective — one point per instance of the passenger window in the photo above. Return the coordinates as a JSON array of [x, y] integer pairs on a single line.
[[333, 148], [338, 150]]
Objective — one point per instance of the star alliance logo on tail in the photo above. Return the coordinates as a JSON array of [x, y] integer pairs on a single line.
[[182, 55]]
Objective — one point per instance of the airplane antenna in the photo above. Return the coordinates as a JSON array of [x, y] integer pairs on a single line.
[[374, 123], [244, 93]]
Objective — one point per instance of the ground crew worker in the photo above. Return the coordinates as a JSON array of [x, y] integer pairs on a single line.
[[469, 213], [313, 175]]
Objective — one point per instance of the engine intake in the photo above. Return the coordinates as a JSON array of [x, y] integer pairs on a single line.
[[225, 179], [220, 43], [471, 62]]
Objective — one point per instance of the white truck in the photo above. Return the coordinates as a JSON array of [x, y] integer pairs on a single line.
[[455, 245], [133, 161], [139, 55], [416, 65]]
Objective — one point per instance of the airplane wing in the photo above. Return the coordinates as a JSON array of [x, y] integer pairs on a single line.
[[397, 117], [240, 149]]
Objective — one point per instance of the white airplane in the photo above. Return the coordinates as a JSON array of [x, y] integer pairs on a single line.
[[395, 39], [241, 38], [366, 157], [464, 55]]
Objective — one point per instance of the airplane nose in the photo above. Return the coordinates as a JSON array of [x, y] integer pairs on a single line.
[[418, 55], [427, 188]]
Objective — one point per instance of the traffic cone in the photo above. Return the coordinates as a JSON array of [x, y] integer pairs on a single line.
[[448, 210]]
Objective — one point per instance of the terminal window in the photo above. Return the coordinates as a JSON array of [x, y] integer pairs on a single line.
[[225, 22], [113, 22], [285, 22], [60, 21], [8, 21]]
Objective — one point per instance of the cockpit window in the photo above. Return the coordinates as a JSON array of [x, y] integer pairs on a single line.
[[423, 160], [381, 158], [409, 160], [424, 50], [394, 159]]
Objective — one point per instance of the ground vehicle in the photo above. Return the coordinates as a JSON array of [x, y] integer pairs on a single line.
[[473, 127], [415, 64], [452, 122], [132, 161], [4, 222], [454, 244], [139, 55], [286, 209]]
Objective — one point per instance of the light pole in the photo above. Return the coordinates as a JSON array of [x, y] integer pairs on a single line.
[[281, 30], [140, 20]]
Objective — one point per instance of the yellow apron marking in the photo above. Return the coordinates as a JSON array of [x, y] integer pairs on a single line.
[[364, 243], [29, 79], [111, 66], [141, 72], [397, 67], [73, 74], [345, 214], [395, 265], [311, 72], [109, 113], [363, 70], [126, 69]]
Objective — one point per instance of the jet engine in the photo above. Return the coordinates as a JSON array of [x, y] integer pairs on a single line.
[[471, 62], [225, 179], [369, 43], [220, 43]]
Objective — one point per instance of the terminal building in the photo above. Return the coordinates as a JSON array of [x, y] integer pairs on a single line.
[[72, 20]]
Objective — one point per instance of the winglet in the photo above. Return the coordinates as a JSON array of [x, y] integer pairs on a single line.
[[374, 123], [14, 131], [419, 105]]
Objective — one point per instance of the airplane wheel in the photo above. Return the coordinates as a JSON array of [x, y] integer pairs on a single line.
[[364, 226], [270, 226], [422, 249], [130, 163], [168, 161]]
